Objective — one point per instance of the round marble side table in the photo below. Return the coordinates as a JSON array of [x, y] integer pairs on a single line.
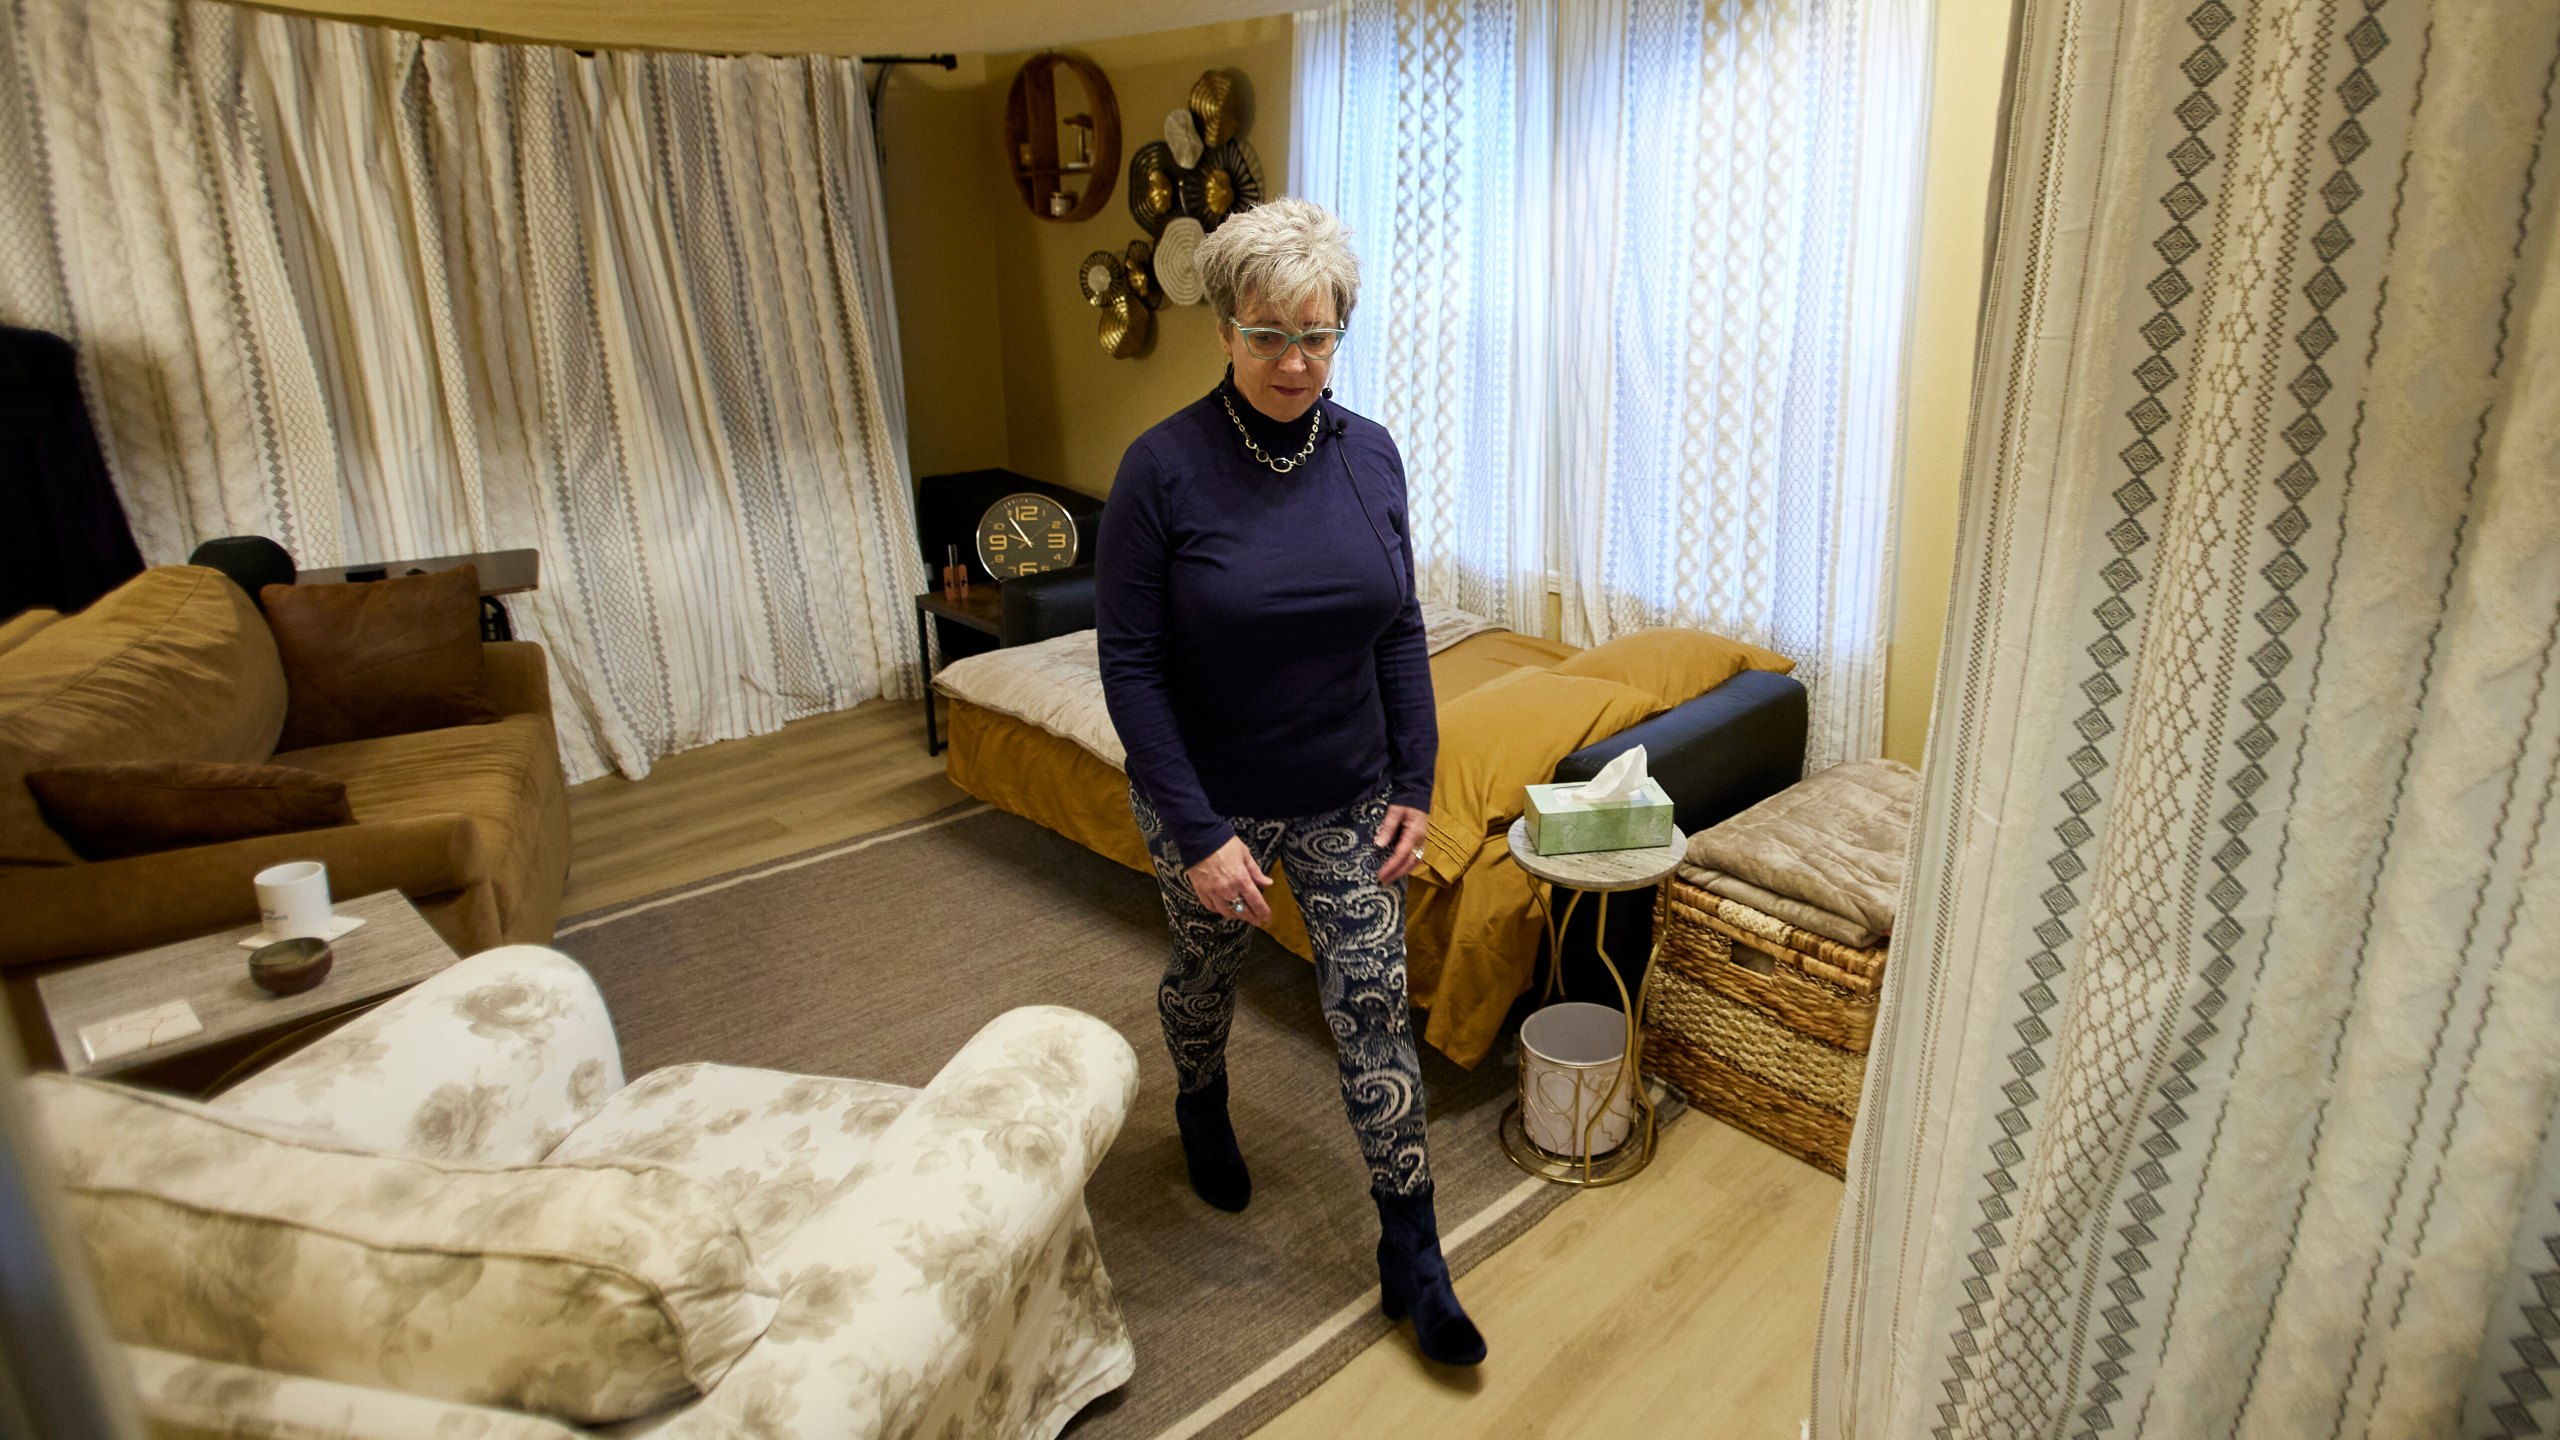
[[1602, 873]]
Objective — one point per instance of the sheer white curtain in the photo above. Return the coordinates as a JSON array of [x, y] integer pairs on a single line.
[[2215, 1091], [1634, 305], [380, 296]]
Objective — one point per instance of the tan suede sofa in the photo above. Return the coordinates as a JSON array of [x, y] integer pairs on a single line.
[[471, 822]]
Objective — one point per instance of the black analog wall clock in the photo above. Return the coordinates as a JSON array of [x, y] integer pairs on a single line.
[[1024, 535]]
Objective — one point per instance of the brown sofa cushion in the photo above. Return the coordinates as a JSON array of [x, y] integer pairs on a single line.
[[387, 657], [504, 779], [139, 807], [174, 664]]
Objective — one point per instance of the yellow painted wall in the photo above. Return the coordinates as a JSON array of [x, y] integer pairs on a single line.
[[991, 289], [1070, 409], [941, 180], [1971, 48]]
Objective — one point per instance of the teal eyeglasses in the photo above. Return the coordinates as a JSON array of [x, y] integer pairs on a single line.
[[1264, 343]]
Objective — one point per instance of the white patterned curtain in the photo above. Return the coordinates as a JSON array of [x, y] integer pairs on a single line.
[[380, 296], [1636, 277], [2215, 1090]]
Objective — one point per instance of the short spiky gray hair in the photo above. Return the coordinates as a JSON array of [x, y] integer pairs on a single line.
[[1283, 252]]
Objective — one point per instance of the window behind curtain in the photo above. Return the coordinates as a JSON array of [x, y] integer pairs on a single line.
[[1634, 285]]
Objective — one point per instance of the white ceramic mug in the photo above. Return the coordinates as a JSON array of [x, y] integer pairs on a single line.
[[293, 899]]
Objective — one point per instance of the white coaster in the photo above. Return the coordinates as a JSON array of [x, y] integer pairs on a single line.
[[169, 1020], [339, 926]]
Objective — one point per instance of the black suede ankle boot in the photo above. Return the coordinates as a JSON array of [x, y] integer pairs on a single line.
[[1414, 1279], [1209, 1147]]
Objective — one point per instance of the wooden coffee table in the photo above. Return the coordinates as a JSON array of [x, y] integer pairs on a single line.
[[394, 949]]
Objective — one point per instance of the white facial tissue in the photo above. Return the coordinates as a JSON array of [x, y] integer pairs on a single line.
[[1620, 779]]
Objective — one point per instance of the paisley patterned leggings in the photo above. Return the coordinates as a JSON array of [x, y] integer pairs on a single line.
[[1357, 925]]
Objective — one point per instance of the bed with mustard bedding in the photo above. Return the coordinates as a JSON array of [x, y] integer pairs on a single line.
[[1722, 726]]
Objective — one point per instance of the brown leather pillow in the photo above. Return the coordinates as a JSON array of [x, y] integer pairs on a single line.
[[138, 807], [382, 657]]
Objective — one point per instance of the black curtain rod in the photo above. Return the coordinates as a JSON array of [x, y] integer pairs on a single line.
[[882, 65]]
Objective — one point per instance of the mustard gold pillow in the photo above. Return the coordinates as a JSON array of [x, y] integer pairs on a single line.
[[1506, 735], [24, 626], [1673, 666]]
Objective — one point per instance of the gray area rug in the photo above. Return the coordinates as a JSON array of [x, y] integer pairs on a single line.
[[879, 957]]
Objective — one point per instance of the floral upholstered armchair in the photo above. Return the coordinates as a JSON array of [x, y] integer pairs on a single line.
[[452, 1218]]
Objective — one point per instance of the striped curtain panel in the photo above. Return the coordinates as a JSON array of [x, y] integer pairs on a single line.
[[2216, 1085], [381, 296]]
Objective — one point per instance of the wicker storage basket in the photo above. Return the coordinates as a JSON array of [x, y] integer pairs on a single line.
[[1762, 1024]]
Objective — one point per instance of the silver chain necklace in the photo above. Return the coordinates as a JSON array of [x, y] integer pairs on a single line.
[[1315, 427]]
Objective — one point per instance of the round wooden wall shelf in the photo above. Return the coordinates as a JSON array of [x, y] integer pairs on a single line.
[[1033, 130]]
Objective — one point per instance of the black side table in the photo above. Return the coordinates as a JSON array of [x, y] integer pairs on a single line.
[[982, 610]]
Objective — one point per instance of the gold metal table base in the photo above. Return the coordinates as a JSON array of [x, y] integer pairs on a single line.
[[1636, 1151], [1589, 1172]]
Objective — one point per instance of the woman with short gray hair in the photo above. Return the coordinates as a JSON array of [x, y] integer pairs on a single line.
[[1264, 662]]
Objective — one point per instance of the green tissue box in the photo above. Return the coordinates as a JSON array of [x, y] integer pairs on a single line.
[[1559, 826]]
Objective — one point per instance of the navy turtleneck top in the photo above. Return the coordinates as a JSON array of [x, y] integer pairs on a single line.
[[1262, 644]]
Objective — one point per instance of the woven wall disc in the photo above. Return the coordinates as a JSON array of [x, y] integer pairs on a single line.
[[1182, 137], [1103, 278], [1178, 261]]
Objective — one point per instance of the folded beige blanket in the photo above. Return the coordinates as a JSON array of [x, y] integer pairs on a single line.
[[1824, 855]]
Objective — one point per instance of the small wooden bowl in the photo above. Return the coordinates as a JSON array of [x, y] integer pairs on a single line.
[[289, 967]]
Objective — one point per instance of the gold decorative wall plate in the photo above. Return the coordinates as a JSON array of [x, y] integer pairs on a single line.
[[1125, 328], [1138, 269], [1216, 102], [1155, 194], [1208, 196], [1243, 169]]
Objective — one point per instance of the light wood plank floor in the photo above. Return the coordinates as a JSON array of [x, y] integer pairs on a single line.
[[740, 803], [1681, 1303]]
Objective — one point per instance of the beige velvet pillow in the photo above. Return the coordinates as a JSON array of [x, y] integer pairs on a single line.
[[1505, 736], [591, 1293], [1671, 665]]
